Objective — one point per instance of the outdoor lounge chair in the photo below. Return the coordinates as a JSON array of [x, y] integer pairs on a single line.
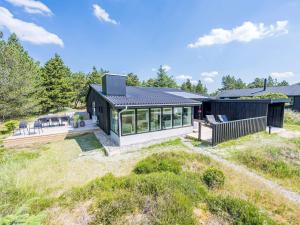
[[37, 125], [23, 126], [223, 118], [211, 119]]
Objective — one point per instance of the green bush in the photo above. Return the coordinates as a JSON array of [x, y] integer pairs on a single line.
[[156, 163], [239, 211], [292, 117], [274, 167], [11, 125], [213, 178]]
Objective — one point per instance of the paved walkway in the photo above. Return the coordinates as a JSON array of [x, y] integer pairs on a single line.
[[292, 196]]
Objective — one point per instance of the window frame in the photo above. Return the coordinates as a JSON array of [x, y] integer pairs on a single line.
[[111, 112], [134, 119], [147, 110], [120, 128]]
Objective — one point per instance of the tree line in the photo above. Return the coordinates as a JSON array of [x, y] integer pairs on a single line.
[[29, 88]]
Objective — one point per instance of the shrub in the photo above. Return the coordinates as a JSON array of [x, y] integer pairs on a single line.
[[11, 125], [156, 163], [291, 117], [240, 211], [275, 167], [213, 178]]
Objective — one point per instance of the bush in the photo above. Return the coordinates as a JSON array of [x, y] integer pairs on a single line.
[[11, 125], [157, 163], [213, 178], [240, 211], [292, 117]]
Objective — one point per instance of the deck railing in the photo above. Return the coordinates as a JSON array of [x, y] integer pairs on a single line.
[[234, 129]]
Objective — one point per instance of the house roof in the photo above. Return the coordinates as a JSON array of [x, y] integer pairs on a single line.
[[292, 90], [144, 96]]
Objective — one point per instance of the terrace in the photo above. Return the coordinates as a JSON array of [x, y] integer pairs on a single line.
[[49, 128]]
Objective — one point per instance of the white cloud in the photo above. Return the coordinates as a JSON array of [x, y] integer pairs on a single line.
[[102, 15], [247, 32], [208, 79], [166, 67], [183, 77], [282, 75], [32, 6], [194, 82], [27, 31], [209, 74]]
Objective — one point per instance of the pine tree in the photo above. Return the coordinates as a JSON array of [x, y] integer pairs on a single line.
[[55, 82], [164, 80], [200, 88], [132, 80], [18, 76]]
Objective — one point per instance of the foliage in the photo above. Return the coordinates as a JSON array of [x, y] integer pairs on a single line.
[[213, 178], [239, 211], [267, 164], [156, 163], [268, 96], [162, 80], [18, 80], [132, 80], [11, 125], [199, 88], [55, 82], [271, 82], [230, 82], [79, 88], [291, 117], [95, 77]]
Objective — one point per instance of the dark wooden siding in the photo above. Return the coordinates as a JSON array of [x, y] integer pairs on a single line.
[[235, 110], [276, 114], [102, 110], [234, 129], [296, 105]]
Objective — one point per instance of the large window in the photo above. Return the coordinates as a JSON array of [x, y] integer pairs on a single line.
[[167, 118], [155, 119], [128, 122], [177, 120], [114, 120], [142, 120], [187, 116]]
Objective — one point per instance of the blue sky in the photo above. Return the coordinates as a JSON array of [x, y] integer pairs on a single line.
[[197, 39]]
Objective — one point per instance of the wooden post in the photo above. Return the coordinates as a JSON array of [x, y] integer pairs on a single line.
[[199, 130]]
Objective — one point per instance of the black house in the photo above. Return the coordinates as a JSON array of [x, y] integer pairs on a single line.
[[139, 114], [292, 91]]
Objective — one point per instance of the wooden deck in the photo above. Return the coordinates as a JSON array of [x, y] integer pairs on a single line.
[[49, 134]]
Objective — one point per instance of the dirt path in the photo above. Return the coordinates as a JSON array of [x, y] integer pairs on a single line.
[[292, 196]]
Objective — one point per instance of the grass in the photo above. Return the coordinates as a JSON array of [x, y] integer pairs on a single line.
[[67, 186], [292, 120], [272, 156]]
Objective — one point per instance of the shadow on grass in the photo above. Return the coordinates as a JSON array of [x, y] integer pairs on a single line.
[[87, 142]]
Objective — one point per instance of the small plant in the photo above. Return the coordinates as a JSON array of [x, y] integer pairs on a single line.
[[81, 117], [11, 125], [156, 164], [214, 178], [76, 118]]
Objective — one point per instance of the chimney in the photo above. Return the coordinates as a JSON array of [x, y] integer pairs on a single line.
[[114, 84], [265, 84]]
